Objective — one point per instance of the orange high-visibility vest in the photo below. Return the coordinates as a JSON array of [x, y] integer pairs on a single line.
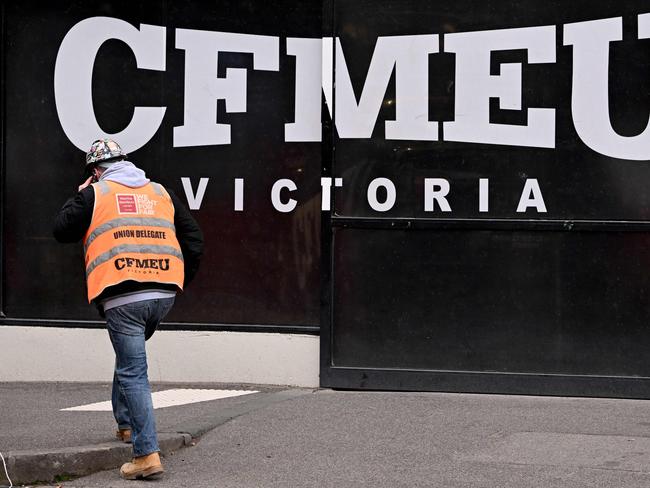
[[131, 237]]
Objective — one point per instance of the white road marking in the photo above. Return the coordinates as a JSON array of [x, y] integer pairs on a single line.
[[168, 398]]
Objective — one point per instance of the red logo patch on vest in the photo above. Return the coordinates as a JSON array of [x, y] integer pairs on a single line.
[[126, 204]]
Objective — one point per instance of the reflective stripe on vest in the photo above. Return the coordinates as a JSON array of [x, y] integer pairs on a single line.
[[131, 237]]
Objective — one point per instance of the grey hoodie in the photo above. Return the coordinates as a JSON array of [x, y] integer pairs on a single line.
[[125, 173]]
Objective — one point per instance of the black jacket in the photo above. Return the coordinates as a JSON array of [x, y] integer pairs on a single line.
[[73, 220]]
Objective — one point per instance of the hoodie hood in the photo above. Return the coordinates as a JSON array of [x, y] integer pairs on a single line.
[[125, 173]]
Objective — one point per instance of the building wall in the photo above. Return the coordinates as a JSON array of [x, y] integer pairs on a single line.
[[60, 354]]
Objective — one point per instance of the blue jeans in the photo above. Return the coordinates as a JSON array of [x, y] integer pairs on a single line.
[[129, 326]]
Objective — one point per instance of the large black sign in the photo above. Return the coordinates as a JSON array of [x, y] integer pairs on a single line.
[[199, 94], [454, 191]]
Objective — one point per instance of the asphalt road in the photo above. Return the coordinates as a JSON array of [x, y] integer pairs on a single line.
[[357, 439]]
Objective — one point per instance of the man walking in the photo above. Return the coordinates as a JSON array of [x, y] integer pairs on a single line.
[[141, 246]]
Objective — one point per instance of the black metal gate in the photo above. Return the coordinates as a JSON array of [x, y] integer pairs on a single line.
[[473, 292]]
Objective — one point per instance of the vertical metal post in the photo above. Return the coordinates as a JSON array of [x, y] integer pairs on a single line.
[[2, 155], [327, 156]]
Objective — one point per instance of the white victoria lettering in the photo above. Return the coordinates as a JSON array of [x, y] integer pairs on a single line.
[[531, 196], [194, 200], [326, 194], [391, 194], [275, 195], [239, 194], [436, 191]]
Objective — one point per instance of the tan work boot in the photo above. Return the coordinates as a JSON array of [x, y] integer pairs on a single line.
[[124, 435], [142, 467]]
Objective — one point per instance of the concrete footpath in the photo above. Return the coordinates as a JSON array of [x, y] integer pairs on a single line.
[[42, 443], [303, 438]]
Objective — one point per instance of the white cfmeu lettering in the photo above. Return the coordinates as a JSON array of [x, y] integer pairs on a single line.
[[406, 58], [590, 91], [73, 75], [203, 88], [475, 86]]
